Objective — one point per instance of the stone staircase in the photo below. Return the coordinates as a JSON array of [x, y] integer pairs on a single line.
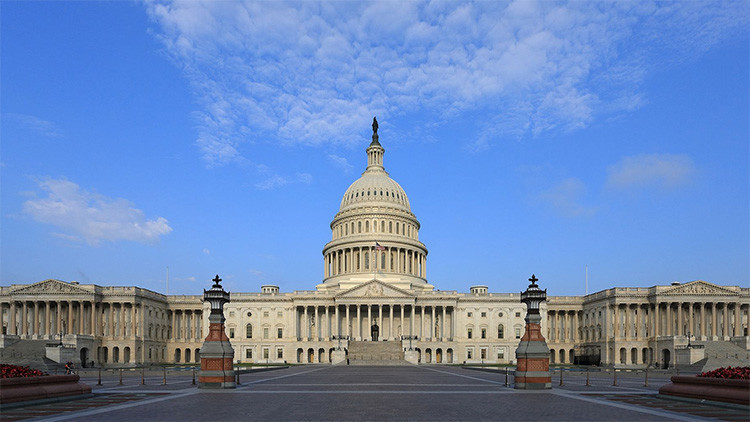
[[376, 353], [720, 354], [29, 353]]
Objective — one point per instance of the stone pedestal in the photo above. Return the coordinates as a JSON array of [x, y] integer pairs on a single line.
[[338, 357], [532, 354], [217, 352]]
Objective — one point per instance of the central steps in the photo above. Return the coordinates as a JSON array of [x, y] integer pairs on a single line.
[[376, 353]]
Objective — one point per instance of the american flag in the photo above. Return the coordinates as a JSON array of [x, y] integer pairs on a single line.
[[379, 247]]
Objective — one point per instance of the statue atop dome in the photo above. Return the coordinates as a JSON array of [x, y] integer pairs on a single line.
[[375, 132]]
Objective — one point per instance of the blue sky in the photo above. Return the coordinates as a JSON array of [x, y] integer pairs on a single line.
[[218, 137]]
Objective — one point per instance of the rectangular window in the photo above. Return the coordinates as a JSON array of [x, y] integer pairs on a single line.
[[484, 333], [265, 353], [279, 353], [483, 353], [469, 333], [501, 353], [231, 333], [469, 314], [484, 314], [248, 353], [469, 353], [280, 332], [518, 315], [231, 314], [518, 333], [265, 314], [279, 314], [265, 332]]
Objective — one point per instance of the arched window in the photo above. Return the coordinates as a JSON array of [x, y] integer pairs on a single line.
[[346, 229], [382, 260], [249, 331], [500, 331], [367, 260], [390, 227], [367, 226], [396, 227], [359, 227], [382, 225]]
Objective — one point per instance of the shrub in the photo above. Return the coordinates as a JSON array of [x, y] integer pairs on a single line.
[[738, 373], [14, 371]]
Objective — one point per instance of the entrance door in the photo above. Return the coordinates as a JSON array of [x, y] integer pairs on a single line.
[[84, 357], [375, 332], [666, 358]]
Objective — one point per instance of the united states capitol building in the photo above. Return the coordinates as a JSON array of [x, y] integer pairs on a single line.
[[375, 291]]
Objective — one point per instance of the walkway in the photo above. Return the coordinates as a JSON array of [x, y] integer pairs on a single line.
[[428, 393]]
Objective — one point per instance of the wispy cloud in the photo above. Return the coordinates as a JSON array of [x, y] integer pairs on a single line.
[[206, 251], [34, 124], [340, 162], [651, 170], [311, 73], [566, 198], [276, 181], [92, 217]]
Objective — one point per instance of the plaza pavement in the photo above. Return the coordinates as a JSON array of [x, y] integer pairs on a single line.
[[362, 393]]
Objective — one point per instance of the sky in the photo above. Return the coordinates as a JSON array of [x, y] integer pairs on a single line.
[[189, 138]]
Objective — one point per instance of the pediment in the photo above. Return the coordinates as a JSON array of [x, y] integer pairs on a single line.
[[50, 287], [375, 288], [698, 287]]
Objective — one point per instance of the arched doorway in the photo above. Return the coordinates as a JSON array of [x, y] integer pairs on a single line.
[[439, 356], [321, 355], [105, 355], [623, 356], [419, 354], [330, 354], [375, 332], [449, 355], [427, 355], [197, 355], [84, 357], [177, 355], [300, 354], [572, 356], [187, 355], [310, 355], [126, 355], [666, 358], [115, 354]]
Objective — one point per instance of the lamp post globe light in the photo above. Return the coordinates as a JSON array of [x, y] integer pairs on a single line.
[[217, 352], [532, 354]]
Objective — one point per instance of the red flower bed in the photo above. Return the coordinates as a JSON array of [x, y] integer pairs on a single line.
[[13, 371], [737, 373]]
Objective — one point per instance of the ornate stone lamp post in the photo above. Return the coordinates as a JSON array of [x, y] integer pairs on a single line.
[[532, 354], [217, 352]]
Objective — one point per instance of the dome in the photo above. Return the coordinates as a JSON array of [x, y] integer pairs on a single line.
[[375, 188]]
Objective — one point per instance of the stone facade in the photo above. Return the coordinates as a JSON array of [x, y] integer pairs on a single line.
[[375, 274]]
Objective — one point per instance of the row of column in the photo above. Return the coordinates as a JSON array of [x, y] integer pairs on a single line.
[[186, 325], [679, 319], [368, 259], [356, 321], [52, 318], [563, 326]]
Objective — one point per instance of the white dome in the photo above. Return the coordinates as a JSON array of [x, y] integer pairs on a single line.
[[375, 188]]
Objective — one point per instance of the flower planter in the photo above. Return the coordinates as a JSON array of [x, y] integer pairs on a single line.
[[13, 390], [735, 391]]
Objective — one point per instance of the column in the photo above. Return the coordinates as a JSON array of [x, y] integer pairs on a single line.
[[316, 334], [46, 318], [725, 314], [737, 319], [337, 327], [92, 329], [411, 319], [122, 320], [616, 316], [390, 322], [133, 324], [669, 329], [442, 326], [58, 317], [703, 320], [421, 325], [628, 330], [12, 318], [690, 318], [24, 318], [359, 321], [369, 317], [111, 322], [403, 329], [680, 322], [346, 326], [432, 323], [714, 330], [35, 326], [328, 323]]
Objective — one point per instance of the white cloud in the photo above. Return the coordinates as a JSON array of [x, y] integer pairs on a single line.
[[566, 198], [34, 124], [92, 217], [651, 170], [276, 181], [206, 251], [312, 73], [340, 162]]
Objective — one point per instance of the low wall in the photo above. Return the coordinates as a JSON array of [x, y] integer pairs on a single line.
[[13, 390], [707, 388]]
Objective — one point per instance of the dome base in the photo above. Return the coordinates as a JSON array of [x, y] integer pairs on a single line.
[[349, 281]]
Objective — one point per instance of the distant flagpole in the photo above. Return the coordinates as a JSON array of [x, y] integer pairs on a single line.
[[378, 248], [587, 280]]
